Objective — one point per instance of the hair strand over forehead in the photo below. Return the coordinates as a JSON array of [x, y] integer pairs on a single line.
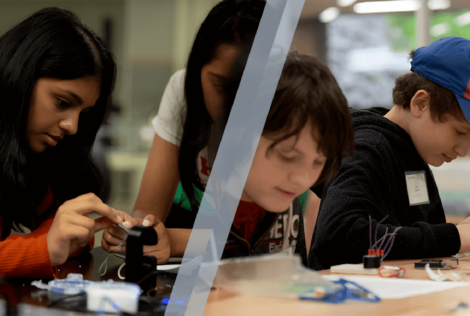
[[308, 93]]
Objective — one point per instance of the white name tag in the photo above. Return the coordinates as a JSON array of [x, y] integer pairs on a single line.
[[417, 187]]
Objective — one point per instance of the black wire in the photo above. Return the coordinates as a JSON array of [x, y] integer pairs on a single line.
[[170, 274], [67, 297]]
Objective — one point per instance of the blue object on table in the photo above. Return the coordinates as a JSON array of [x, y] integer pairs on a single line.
[[348, 291]]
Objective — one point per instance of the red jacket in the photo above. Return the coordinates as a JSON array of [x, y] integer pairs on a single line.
[[28, 255]]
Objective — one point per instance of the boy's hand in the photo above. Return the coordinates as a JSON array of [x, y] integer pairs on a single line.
[[71, 230]]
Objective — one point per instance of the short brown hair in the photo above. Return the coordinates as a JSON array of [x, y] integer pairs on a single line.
[[443, 102], [308, 91]]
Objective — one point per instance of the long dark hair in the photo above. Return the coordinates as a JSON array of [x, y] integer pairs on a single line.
[[50, 43], [231, 22]]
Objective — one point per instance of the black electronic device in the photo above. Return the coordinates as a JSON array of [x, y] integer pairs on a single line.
[[437, 264], [138, 265], [372, 261]]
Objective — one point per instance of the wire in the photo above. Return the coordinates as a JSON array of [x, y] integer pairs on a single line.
[[377, 228], [391, 240], [370, 233], [119, 271], [105, 262], [383, 238], [400, 269], [102, 308], [55, 302], [173, 275], [392, 234], [390, 248]]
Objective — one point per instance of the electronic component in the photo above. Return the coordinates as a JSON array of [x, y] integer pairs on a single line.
[[138, 266], [392, 271], [352, 269], [381, 248], [113, 297], [73, 284], [437, 264], [372, 262]]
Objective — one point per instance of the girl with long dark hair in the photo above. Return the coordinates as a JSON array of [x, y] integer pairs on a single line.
[[56, 80], [307, 132]]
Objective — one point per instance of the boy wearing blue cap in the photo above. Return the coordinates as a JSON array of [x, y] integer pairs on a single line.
[[388, 176]]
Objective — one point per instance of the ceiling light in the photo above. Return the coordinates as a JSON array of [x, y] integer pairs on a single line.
[[345, 3], [438, 4], [386, 6], [463, 19], [440, 29], [328, 15]]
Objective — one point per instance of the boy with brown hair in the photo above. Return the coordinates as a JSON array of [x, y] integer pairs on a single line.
[[388, 175]]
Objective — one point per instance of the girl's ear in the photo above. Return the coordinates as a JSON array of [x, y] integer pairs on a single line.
[[420, 103]]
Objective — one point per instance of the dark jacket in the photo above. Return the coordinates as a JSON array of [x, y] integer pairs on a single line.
[[372, 182]]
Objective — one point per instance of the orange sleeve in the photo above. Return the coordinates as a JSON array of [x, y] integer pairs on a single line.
[[28, 255]]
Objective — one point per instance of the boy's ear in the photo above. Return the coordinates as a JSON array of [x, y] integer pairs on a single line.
[[420, 103]]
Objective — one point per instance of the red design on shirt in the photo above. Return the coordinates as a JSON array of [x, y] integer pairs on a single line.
[[248, 216], [205, 170]]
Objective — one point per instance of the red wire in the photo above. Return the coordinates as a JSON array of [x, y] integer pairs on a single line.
[[391, 275]]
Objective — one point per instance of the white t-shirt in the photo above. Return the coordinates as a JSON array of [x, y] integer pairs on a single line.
[[168, 124]]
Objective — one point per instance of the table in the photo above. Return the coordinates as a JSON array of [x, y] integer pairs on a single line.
[[221, 302], [88, 264], [224, 303]]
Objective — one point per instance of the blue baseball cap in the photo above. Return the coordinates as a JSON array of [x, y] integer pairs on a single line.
[[447, 63]]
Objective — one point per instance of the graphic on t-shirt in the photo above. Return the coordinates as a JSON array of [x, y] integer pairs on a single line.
[[281, 227], [205, 170]]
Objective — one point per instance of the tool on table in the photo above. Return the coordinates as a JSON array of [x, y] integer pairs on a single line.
[[437, 264]]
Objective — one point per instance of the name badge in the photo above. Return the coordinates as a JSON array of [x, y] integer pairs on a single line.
[[417, 187]]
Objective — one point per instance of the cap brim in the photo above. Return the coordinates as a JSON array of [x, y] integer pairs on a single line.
[[465, 106]]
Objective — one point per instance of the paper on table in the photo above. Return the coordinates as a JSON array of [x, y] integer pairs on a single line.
[[399, 288]]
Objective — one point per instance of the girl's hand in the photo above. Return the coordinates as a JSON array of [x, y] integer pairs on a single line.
[[71, 230], [162, 249], [113, 236]]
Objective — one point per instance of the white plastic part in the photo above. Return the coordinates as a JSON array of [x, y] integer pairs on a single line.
[[352, 269], [112, 297], [75, 277], [435, 277], [73, 284]]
